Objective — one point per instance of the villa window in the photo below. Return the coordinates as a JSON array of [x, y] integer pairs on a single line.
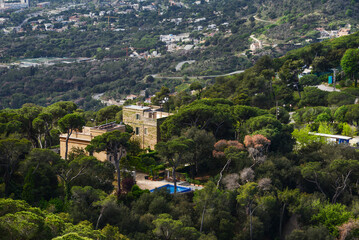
[[137, 130], [137, 116], [145, 131]]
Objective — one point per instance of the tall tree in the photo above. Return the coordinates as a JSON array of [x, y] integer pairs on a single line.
[[287, 197], [108, 114], [12, 151], [205, 199], [173, 152], [41, 181], [68, 124], [332, 178], [257, 146], [288, 73], [46, 119], [202, 147], [28, 113], [227, 150], [60, 109], [350, 64], [251, 196], [39, 129], [78, 171], [115, 144]]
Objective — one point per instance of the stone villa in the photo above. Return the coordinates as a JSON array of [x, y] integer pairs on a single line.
[[82, 139], [146, 123]]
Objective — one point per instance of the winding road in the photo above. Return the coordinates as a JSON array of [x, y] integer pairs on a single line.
[[179, 65], [209, 76], [261, 20]]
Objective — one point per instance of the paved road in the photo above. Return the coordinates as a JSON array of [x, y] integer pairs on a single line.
[[97, 96], [209, 76], [261, 20], [179, 65], [326, 88], [23, 22], [255, 39]]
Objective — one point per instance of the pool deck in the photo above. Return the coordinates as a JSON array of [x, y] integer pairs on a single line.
[[148, 184]]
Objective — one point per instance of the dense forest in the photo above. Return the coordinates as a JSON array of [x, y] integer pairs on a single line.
[[79, 82], [265, 175], [257, 182], [247, 141]]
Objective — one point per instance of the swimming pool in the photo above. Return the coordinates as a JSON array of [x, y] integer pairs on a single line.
[[171, 188]]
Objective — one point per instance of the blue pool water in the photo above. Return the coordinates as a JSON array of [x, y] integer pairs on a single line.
[[171, 188]]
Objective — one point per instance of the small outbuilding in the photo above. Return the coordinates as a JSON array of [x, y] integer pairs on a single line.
[[334, 138]]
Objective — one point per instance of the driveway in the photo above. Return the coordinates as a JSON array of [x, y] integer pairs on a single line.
[[327, 88]]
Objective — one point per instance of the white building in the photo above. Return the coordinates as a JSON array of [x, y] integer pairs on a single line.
[[256, 46]]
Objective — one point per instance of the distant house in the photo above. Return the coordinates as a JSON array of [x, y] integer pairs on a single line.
[[48, 26], [2, 20], [74, 19], [148, 100], [212, 26], [199, 20], [323, 33], [333, 33], [307, 71], [343, 32], [149, 8], [146, 123], [81, 139], [131, 97], [256, 46]]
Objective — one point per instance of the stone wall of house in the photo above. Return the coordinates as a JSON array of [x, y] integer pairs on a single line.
[[102, 156], [146, 129], [82, 140]]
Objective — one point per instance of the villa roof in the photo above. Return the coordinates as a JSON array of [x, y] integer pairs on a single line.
[[137, 107]]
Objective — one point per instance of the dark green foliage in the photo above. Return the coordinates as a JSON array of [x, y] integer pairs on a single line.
[[210, 114], [108, 114], [281, 113], [261, 122], [309, 114], [114, 144], [313, 96], [98, 175], [348, 113], [12, 152], [352, 91], [340, 99], [349, 63], [309, 80], [312, 233], [82, 204], [40, 181]]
